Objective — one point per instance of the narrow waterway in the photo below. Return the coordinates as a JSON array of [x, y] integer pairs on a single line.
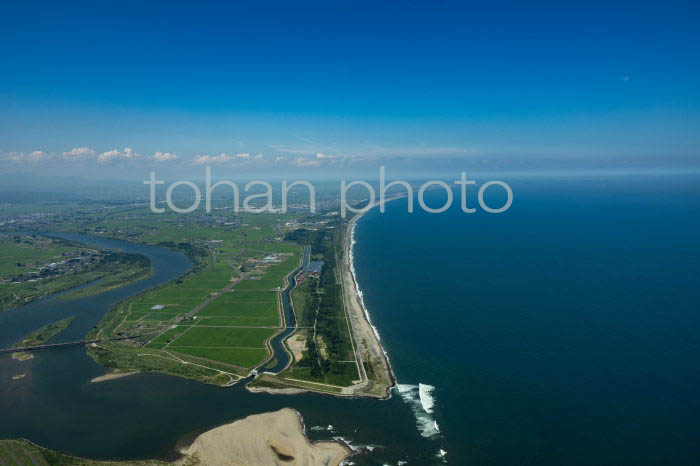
[[143, 416], [281, 356]]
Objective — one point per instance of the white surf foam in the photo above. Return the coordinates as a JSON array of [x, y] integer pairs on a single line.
[[329, 428], [442, 455], [421, 406], [355, 447], [426, 400], [346, 442], [360, 295]]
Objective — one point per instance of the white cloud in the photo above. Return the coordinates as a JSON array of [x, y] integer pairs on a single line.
[[164, 156], [21, 157], [221, 158], [328, 156], [626, 78], [127, 153], [107, 156], [306, 162], [39, 155], [79, 152]]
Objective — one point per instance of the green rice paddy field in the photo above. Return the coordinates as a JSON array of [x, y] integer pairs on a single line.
[[238, 316], [227, 307]]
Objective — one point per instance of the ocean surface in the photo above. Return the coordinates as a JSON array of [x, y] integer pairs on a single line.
[[563, 331]]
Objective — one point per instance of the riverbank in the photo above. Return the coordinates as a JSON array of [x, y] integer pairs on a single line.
[[108, 270], [113, 376], [44, 334]]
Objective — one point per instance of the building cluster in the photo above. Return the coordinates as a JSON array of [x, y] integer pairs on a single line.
[[313, 270], [74, 262]]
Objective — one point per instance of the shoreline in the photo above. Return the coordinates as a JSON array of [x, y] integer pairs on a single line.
[[362, 323], [277, 437], [261, 439], [113, 376]]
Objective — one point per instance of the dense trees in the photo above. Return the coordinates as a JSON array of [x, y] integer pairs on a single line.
[[324, 313]]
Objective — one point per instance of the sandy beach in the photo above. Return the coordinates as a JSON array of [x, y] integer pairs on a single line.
[[261, 440], [22, 356], [112, 376], [366, 338]]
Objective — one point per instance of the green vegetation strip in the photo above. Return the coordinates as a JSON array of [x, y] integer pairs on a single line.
[[25, 453], [44, 334], [319, 306]]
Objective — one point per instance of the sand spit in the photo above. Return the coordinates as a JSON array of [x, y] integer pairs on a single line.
[[112, 376], [22, 356], [276, 391], [261, 440]]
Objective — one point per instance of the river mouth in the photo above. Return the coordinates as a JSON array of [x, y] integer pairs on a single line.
[[150, 415]]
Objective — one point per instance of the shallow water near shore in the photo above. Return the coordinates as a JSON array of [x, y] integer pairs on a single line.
[[561, 332]]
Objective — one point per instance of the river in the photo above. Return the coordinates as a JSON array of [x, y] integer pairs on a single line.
[[143, 416]]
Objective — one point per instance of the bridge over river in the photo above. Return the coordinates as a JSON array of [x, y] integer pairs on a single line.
[[60, 345]]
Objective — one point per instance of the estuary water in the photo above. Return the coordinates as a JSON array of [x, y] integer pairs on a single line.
[[563, 331]]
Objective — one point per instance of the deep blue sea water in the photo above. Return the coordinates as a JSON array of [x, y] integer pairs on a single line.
[[565, 331]]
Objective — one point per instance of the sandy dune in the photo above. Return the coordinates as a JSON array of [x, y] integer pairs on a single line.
[[263, 439]]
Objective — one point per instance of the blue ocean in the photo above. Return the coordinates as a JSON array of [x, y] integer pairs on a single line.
[[564, 331]]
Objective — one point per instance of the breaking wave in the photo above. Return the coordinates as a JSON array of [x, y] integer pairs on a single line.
[[355, 447], [426, 399], [328, 428], [360, 296], [419, 398]]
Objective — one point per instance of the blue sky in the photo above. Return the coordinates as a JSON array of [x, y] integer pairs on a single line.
[[505, 85]]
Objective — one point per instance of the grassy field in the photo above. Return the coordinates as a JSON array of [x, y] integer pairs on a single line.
[[44, 334], [24, 253], [328, 357], [115, 270], [301, 300], [28, 268], [223, 337], [234, 321], [218, 316], [212, 324], [24, 453]]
